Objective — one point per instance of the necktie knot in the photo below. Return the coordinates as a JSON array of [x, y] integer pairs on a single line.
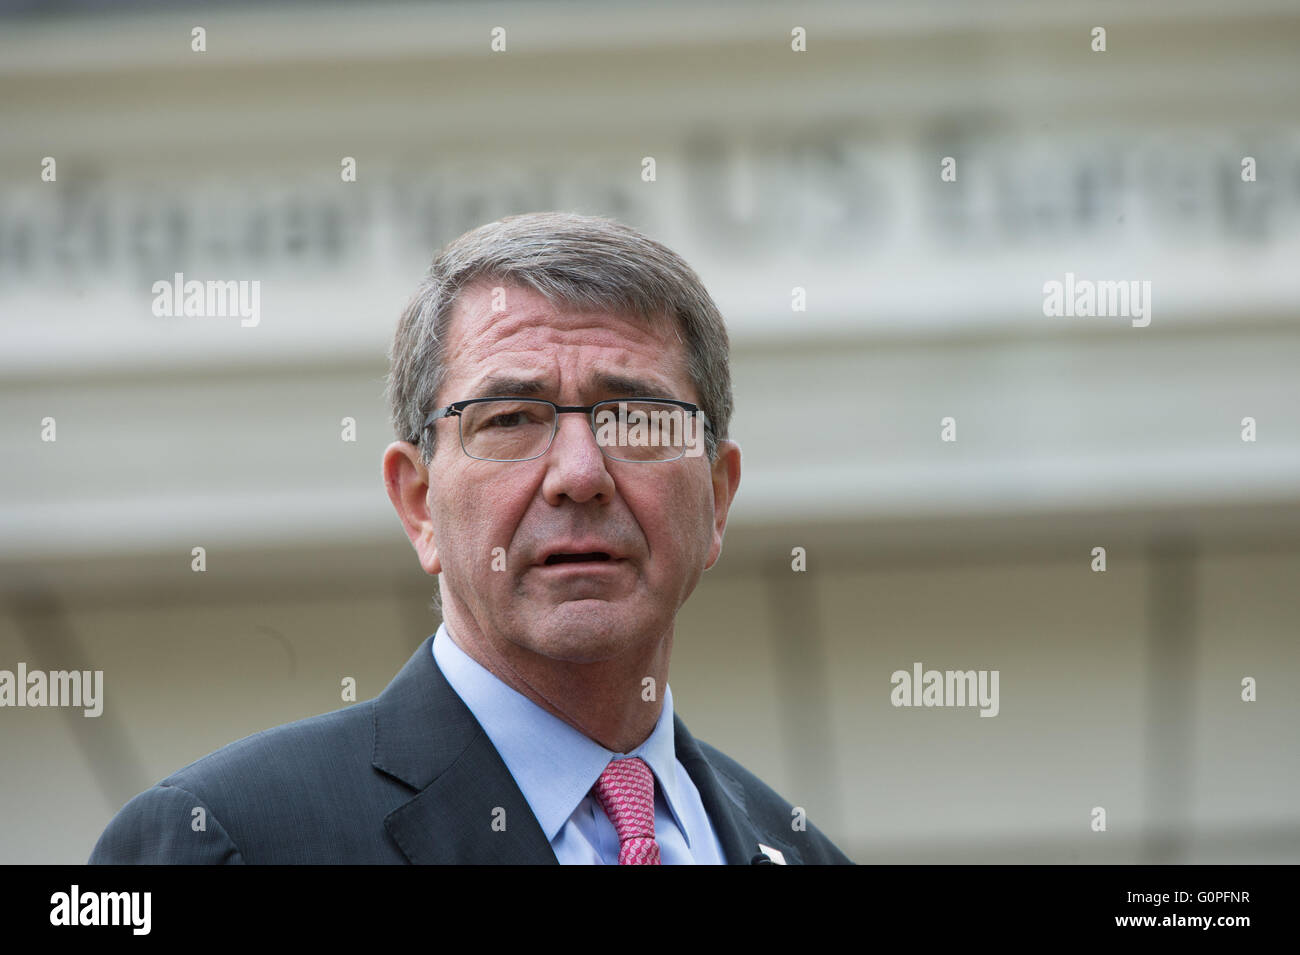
[[626, 791]]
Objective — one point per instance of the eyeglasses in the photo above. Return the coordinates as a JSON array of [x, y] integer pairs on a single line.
[[639, 430]]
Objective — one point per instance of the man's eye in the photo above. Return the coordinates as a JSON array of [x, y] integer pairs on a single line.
[[506, 420]]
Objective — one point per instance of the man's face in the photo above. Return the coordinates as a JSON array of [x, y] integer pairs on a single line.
[[661, 523]]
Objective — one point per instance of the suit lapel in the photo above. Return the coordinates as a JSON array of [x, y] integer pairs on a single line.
[[426, 737], [726, 803], [468, 808]]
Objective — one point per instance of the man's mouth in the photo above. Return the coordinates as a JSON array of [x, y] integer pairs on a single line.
[[576, 558]]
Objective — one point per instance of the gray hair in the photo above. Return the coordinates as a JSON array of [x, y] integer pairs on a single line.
[[586, 263]]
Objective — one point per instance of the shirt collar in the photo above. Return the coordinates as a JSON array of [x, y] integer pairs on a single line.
[[553, 763]]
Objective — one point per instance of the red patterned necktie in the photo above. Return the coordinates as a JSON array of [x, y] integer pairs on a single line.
[[626, 791]]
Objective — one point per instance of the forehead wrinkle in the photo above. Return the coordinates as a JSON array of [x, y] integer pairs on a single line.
[[496, 335], [490, 339], [596, 380], [524, 306]]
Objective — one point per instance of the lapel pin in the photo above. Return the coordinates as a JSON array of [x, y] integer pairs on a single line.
[[775, 856]]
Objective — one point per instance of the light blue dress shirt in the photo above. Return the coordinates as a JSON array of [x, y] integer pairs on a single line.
[[555, 767]]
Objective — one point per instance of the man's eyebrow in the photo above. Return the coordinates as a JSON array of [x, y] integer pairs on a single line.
[[509, 386], [606, 382], [628, 386]]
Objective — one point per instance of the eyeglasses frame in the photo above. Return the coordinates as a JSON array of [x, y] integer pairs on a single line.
[[456, 407]]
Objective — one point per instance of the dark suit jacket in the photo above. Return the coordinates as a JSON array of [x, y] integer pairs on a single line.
[[409, 776]]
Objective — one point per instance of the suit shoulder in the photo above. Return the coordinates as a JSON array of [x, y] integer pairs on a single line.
[[273, 796], [165, 824], [768, 808], [317, 742]]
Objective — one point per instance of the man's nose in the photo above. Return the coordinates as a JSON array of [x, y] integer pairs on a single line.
[[575, 465]]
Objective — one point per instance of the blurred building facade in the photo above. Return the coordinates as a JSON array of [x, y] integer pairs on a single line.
[[774, 171]]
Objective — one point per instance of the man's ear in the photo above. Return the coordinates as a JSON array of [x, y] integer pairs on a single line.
[[725, 472], [407, 481]]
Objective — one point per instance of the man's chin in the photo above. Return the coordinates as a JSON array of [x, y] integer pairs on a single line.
[[587, 631]]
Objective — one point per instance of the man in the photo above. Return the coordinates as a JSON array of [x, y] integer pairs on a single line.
[[562, 389]]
